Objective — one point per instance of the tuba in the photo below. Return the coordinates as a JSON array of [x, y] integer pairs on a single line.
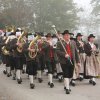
[[22, 41], [33, 45]]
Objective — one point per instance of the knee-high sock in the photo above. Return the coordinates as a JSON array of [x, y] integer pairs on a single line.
[[39, 74], [50, 78], [31, 79], [93, 79], [8, 69], [66, 83], [5, 68], [81, 76], [24, 67], [14, 73], [18, 72]]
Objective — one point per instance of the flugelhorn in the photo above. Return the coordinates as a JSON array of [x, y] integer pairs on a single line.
[[33, 45], [22, 41]]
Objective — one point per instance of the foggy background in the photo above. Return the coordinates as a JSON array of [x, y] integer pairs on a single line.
[[39, 15]]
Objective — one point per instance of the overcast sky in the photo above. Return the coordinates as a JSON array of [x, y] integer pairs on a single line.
[[85, 4]]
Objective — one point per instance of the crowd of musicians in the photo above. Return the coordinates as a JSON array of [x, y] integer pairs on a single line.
[[32, 54]]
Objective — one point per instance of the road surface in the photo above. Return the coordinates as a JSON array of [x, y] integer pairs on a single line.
[[10, 90]]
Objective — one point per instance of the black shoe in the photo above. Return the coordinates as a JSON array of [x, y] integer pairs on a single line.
[[64, 88], [19, 81], [81, 79], [40, 80], [23, 71], [35, 77], [72, 84], [90, 81], [48, 83], [8, 75], [61, 79], [5, 72], [32, 86], [51, 85], [14, 78], [55, 76], [94, 83], [67, 91]]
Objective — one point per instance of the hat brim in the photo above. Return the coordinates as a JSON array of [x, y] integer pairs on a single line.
[[91, 36], [66, 33], [79, 35]]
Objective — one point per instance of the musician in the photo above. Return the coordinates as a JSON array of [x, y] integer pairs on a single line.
[[17, 56], [7, 55], [49, 58], [30, 63], [91, 62], [67, 59], [41, 59], [80, 45], [72, 37], [3, 57], [11, 58], [1, 39], [58, 70]]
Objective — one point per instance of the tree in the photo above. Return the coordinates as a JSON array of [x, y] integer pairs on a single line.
[[15, 12], [96, 14], [62, 13], [96, 7], [39, 15]]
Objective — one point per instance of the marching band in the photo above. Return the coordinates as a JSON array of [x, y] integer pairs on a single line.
[[60, 55]]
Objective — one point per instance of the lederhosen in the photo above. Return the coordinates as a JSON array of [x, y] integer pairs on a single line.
[[6, 58], [17, 56], [31, 64], [41, 57], [68, 70], [11, 57], [66, 65]]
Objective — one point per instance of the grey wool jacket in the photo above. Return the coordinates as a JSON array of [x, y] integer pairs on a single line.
[[61, 53]]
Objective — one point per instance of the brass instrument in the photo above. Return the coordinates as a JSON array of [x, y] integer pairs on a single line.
[[33, 45], [22, 41], [8, 29], [4, 50]]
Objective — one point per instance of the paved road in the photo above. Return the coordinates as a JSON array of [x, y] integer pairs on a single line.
[[10, 90]]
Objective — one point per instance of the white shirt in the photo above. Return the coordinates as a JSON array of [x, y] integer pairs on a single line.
[[91, 44]]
